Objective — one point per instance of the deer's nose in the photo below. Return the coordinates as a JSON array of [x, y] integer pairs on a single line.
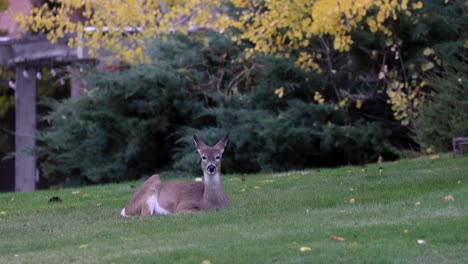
[[211, 168]]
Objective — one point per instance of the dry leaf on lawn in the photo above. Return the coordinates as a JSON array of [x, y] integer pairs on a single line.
[[337, 238], [304, 249], [449, 198]]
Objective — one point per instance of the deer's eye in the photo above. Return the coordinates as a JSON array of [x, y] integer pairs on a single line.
[[217, 157], [204, 157]]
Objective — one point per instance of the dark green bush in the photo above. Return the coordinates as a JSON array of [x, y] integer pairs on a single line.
[[141, 120], [303, 135], [445, 114], [127, 123]]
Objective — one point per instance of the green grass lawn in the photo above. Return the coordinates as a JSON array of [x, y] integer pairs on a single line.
[[270, 218]]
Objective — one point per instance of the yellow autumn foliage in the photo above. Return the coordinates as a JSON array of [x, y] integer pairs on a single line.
[[273, 26], [124, 27], [285, 26]]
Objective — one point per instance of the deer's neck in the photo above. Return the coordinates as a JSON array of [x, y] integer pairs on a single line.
[[213, 195]]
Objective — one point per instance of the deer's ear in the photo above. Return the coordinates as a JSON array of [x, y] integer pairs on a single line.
[[199, 144], [222, 143]]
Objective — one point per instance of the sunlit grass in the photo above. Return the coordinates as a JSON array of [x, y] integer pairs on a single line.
[[271, 217]]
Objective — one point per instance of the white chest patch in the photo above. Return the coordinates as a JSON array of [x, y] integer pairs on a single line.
[[154, 206]]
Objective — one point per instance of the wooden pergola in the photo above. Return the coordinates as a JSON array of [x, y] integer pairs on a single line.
[[25, 55]]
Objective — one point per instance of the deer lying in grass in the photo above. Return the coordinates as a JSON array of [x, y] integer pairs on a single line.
[[176, 197]]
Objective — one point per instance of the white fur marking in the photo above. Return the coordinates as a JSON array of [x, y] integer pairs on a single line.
[[212, 180], [122, 213], [155, 207]]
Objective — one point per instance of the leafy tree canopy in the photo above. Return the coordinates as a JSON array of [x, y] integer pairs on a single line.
[[384, 44]]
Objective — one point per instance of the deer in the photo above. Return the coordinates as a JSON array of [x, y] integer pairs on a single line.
[[181, 197]]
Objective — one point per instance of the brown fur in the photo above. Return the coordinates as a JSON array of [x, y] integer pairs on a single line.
[[176, 197], [137, 204]]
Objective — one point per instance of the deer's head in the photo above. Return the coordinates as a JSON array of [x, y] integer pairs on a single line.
[[211, 156]]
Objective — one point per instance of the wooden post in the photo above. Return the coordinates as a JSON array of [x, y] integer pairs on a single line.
[[77, 84], [25, 110]]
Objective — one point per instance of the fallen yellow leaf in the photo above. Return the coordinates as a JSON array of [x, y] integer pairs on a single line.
[[257, 188], [84, 246], [449, 198], [206, 262], [417, 203], [406, 231], [2, 213], [304, 249], [352, 244], [352, 200], [337, 238]]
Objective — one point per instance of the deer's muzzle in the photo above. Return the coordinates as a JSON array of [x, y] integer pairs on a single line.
[[211, 168]]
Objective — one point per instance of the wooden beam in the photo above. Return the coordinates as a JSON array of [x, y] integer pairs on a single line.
[[37, 51], [41, 50], [25, 110], [6, 53]]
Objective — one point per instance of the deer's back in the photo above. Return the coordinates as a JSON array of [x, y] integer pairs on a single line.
[[181, 195]]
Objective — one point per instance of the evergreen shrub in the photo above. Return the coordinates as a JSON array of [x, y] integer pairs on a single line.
[[445, 115], [126, 125], [293, 134], [141, 120]]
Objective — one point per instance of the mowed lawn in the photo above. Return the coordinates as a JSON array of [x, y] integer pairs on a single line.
[[271, 217]]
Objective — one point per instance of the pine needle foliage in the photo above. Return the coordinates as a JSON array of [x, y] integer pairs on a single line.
[[126, 125], [275, 132], [445, 115], [140, 121]]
